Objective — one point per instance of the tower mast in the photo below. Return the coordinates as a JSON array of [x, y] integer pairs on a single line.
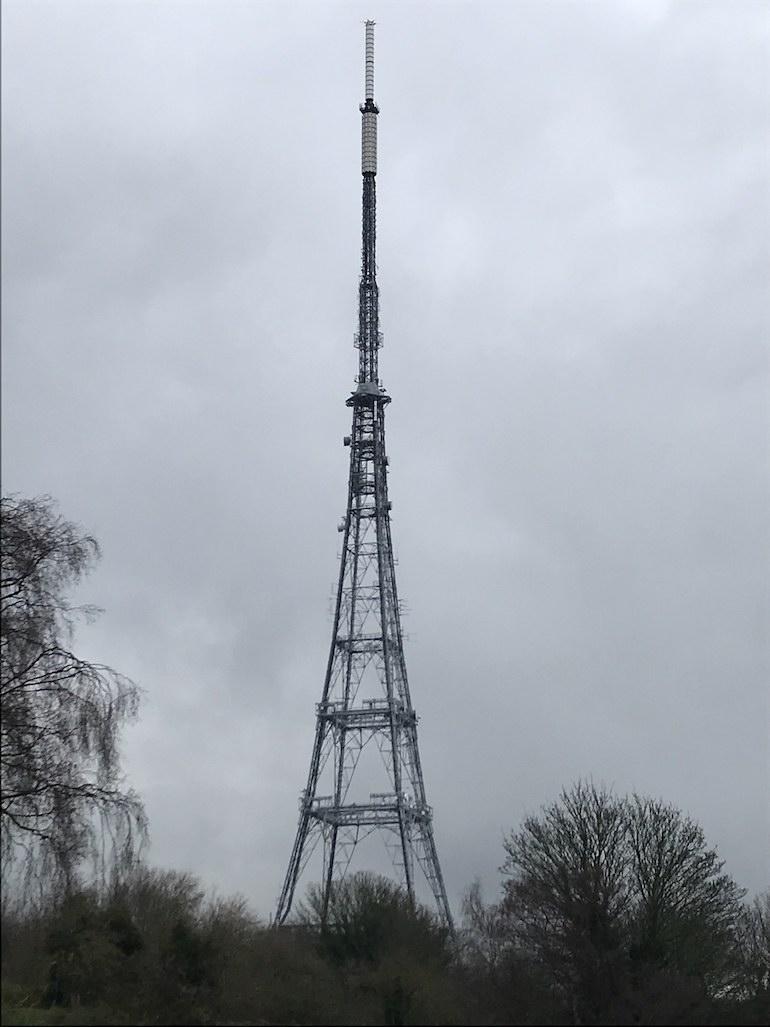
[[366, 726]]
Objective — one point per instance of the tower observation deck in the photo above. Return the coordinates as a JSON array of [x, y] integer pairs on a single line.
[[365, 781]]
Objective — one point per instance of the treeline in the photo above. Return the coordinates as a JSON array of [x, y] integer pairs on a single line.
[[156, 952], [613, 910]]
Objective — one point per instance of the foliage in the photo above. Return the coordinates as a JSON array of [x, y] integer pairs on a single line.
[[61, 715], [393, 955], [505, 985], [89, 943], [368, 915], [153, 948]]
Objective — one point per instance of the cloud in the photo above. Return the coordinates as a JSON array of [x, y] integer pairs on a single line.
[[573, 250]]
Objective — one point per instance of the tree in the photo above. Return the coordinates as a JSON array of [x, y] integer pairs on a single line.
[[393, 955], [369, 915], [751, 985], [506, 986], [61, 794], [567, 894], [619, 899], [684, 908]]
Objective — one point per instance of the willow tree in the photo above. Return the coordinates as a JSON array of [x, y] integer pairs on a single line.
[[63, 799]]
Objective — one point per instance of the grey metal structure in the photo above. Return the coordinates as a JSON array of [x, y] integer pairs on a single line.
[[366, 726]]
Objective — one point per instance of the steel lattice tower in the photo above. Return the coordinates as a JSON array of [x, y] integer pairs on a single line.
[[366, 709]]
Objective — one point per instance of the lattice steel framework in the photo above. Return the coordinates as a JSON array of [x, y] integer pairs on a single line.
[[366, 706]]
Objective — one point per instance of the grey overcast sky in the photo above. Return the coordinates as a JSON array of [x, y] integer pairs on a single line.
[[574, 258]]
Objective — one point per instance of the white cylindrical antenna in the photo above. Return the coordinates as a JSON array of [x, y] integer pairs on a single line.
[[369, 142], [369, 95], [369, 110]]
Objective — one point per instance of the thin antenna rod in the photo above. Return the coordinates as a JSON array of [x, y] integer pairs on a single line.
[[369, 95]]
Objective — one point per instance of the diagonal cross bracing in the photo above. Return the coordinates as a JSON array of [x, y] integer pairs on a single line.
[[365, 698]]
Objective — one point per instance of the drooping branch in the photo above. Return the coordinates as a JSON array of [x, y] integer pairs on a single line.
[[61, 716]]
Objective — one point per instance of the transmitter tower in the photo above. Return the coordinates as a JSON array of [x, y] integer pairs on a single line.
[[365, 777]]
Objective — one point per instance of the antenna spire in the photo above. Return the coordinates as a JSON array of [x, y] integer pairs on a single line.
[[370, 60], [369, 110]]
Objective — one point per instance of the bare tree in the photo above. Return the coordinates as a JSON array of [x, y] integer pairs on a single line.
[[368, 915], [752, 950], [62, 795], [618, 899], [685, 908], [567, 895]]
